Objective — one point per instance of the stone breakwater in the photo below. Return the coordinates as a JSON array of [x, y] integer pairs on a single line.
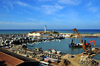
[[71, 35]]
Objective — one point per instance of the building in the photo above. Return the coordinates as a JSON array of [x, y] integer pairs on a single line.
[[34, 34], [39, 33], [9, 60], [67, 35], [44, 33]]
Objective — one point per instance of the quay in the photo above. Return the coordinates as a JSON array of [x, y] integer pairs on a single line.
[[71, 35]]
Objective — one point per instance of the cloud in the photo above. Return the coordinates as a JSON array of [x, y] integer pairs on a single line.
[[31, 19], [89, 3], [21, 23], [13, 23], [22, 4], [10, 4], [44, 0], [7, 4], [93, 9], [70, 2], [50, 9], [7, 9]]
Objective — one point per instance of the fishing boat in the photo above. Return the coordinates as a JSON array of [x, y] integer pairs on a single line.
[[46, 59], [73, 45]]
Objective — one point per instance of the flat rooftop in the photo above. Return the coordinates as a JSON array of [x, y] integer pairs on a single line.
[[10, 60]]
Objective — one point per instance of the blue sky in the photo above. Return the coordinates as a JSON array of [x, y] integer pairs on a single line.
[[56, 14]]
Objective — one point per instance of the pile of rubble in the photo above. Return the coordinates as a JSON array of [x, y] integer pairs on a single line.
[[87, 61], [64, 62]]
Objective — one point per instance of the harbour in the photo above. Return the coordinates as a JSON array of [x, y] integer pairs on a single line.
[[39, 47], [49, 33]]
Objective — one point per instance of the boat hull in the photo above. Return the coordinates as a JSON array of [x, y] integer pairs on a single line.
[[75, 46]]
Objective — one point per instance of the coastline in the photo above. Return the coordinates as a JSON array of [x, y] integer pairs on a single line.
[[22, 52]]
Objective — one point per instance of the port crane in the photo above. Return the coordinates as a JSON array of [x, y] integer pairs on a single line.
[[83, 46], [88, 45]]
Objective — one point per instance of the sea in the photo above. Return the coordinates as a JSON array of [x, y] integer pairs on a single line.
[[59, 45]]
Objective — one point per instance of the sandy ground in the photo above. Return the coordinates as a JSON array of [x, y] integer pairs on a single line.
[[74, 61]]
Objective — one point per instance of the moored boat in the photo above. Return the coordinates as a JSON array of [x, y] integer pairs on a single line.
[[73, 45]]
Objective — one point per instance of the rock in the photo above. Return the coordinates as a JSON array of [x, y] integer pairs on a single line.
[[64, 62]]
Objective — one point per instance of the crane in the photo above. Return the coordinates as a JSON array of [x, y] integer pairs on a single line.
[[83, 46], [88, 45]]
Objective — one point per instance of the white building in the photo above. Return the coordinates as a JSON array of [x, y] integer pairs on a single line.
[[38, 33], [34, 34], [67, 35]]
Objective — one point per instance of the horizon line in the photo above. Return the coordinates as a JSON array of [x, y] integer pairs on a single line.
[[49, 29]]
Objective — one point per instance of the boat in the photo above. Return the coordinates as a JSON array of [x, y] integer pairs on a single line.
[[78, 45], [1, 45], [73, 45], [30, 44], [59, 37], [46, 59]]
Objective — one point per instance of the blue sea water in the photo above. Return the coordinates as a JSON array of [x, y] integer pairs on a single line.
[[25, 31], [62, 45]]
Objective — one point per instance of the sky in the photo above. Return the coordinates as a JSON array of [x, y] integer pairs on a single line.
[[56, 14]]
